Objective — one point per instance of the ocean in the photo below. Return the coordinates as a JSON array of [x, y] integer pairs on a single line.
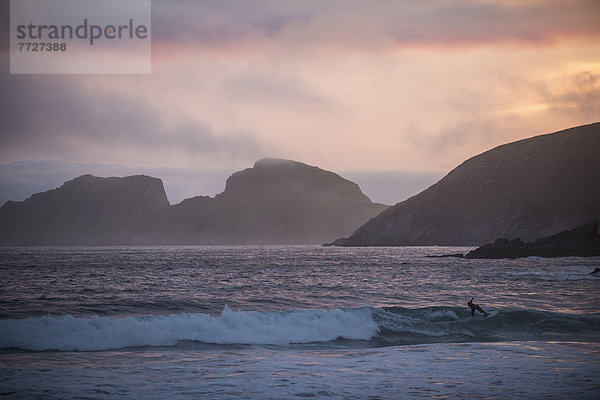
[[286, 322]]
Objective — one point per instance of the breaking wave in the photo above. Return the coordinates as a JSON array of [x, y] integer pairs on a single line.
[[270, 328], [374, 326]]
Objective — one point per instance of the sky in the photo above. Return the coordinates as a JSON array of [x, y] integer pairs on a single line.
[[347, 85]]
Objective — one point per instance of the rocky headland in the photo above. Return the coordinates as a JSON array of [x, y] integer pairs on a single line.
[[531, 188], [274, 202]]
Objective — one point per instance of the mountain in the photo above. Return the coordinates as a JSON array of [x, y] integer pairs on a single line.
[[277, 180], [529, 189], [275, 202], [85, 210]]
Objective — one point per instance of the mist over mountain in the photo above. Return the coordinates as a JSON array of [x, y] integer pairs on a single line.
[[275, 202], [19, 179], [528, 189], [274, 180]]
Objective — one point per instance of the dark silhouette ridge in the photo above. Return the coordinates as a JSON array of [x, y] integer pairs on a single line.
[[275, 202], [529, 189], [85, 210], [288, 180]]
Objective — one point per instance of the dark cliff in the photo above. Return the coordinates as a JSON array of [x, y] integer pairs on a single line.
[[85, 210], [277, 180], [275, 202], [528, 189]]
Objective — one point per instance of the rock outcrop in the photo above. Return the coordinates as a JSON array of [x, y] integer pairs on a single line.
[[529, 189], [582, 241]]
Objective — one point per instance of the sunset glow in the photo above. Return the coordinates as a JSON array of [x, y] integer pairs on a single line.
[[343, 85]]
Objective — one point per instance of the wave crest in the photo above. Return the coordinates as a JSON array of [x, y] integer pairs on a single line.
[[377, 326], [273, 328]]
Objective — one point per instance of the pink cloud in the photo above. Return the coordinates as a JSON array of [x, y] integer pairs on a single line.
[[365, 24]]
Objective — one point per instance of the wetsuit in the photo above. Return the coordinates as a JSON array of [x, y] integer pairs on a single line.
[[474, 307]]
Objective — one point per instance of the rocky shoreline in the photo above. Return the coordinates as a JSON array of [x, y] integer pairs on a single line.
[[582, 241]]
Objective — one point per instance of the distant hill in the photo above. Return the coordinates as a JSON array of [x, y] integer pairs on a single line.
[[276, 180], [528, 189], [275, 202], [85, 210]]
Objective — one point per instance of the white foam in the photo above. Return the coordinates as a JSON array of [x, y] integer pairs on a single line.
[[442, 315], [275, 328]]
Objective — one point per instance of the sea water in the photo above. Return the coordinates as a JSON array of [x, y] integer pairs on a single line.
[[295, 322]]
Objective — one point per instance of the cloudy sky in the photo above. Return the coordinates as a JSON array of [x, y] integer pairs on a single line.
[[348, 85]]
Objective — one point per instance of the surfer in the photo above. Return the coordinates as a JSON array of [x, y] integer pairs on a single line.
[[474, 307]]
